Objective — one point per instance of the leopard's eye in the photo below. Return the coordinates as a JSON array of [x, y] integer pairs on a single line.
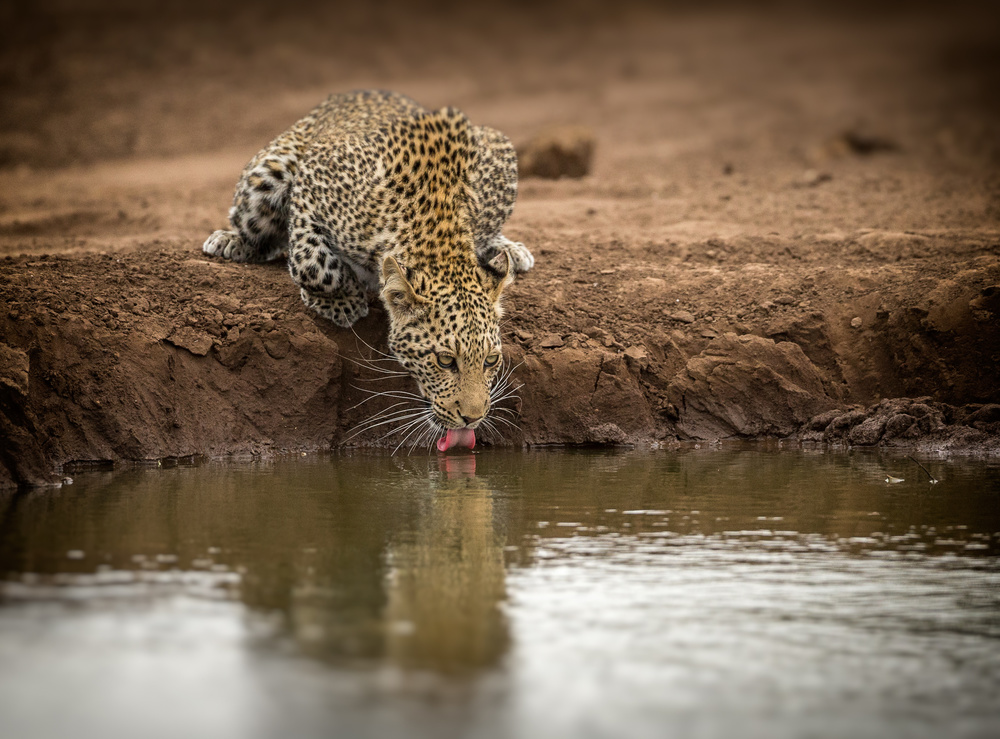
[[446, 361], [492, 360]]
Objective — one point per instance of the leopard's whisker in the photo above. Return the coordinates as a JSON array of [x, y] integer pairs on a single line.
[[487, 426], [402, 415], [377, 351], [504, 376], [409, 425], [505, 386], [424, 432], [494, 431], [388, 393], [399, 429], [370, 397], [504, 420], [419, 440], [390, 412], [511, 394], [374, 368], [432, 437], [416, 428]]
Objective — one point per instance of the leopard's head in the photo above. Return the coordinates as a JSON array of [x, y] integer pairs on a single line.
[[445, 331]]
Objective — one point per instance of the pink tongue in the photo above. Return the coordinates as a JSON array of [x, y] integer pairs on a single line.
[[457, 437]]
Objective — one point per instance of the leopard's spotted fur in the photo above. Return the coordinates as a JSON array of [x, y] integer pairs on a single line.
[[370, 191]]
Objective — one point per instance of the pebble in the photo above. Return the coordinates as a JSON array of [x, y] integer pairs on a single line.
[[813, 177], [682, 316], [552, 341], [856, 322]]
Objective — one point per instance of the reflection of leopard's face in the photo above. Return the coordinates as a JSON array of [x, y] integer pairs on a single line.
[[451, 346]]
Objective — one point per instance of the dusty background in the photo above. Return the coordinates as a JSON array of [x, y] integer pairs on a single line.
[[793, 213]]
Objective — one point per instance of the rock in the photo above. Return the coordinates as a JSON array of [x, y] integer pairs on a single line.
[[820, 422], [931, 422], [859, 143], [561, 151], [606, 433], [890, 242], [920, 409], [596, 332], [868, 432], [637, 358], [896, 418], [786, 300], [813, 177], [24, 457], [988, 300], [989, 413], [985, 419], [14, 369], [843, 423], [856, 322], [197, 342], [277, 344], [552, 341], [898, 426], [743, 386], [682, 316], [523, 335]]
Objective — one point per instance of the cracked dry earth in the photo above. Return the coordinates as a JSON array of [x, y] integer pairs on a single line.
[[791, 229]]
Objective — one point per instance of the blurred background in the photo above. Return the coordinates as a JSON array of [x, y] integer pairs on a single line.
[[89, 80]]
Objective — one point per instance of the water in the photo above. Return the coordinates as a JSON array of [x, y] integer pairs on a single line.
[[703, 593]]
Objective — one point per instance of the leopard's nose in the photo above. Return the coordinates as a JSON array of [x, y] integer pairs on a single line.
[[471, 410]]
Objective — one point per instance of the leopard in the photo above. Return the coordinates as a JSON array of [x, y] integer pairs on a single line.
[[370, 194]]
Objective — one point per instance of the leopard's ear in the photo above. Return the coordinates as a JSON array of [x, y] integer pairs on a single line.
[[500, 273], [397, 293]]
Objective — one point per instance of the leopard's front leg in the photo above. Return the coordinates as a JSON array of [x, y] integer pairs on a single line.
[[521, 259], [329, 286]]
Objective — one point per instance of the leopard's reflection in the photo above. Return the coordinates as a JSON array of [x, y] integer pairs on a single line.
[[446, 583], [417, 587], [364, 559]]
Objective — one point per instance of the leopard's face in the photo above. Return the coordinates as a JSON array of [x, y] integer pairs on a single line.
[[447, 337], [452, 349]]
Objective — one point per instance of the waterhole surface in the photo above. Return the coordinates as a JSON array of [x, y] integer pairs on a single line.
[[702, 593]]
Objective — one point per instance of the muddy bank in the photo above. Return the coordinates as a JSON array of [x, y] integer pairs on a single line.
[[788, 219], [144, 355]]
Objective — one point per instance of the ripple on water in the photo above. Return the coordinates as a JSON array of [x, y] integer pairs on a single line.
[[546, 594]]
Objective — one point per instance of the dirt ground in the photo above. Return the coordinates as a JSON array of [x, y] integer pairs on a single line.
[[792, 216]]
